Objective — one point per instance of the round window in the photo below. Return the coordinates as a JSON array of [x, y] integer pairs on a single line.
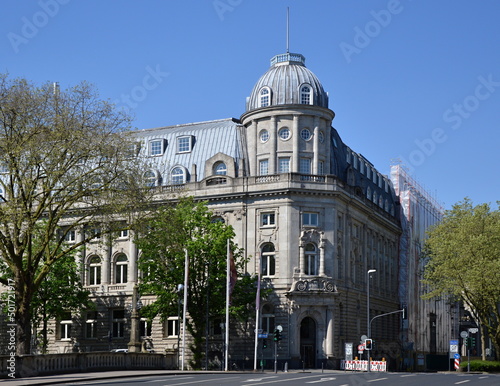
[[321, 136], [264, 136], [284, 133], [305, 134]]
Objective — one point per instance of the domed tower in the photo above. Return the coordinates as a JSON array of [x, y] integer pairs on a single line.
[[287, 120]]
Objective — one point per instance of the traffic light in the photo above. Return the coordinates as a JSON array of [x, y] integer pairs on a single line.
[[277, 335], [368, 344], [264, 343], [470, 342]]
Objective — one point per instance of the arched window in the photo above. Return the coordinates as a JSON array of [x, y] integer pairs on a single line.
[[311, 259], [305, 95], [264, 97], [220, 168], [178, 175], [150, 179], [94, 270], [121, 265], [268, 260]]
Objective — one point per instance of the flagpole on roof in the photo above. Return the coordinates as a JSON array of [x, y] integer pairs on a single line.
[[228, 286]]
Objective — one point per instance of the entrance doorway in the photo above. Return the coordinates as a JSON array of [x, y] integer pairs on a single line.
[[308, 342]]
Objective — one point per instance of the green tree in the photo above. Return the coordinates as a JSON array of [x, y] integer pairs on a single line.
[[463, 253], [66, 159], [172, 230]]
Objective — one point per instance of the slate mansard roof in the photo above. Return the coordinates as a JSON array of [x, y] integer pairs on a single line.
[[206, 140]]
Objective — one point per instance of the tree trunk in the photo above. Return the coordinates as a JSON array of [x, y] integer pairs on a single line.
[[23, 320]]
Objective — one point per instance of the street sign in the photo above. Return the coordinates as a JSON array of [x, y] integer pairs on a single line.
[[464, 334], [263, 336], [453, 345], [457, 356], [348, 351], [473, 330], [361, 347]]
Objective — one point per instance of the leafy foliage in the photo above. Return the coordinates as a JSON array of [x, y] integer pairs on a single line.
[[173, 231], [463, 253], [64, 160]]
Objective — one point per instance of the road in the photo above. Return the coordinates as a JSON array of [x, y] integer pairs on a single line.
[[304, 378]]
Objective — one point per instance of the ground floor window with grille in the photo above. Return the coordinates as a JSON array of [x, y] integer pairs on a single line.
[[119, 323]]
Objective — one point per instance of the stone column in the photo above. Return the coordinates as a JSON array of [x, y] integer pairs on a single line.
[[296, 139], [315, 146], [321, 257], [329, 332], [272, 142], [132, 258]]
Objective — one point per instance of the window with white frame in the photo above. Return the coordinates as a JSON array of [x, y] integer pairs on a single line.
[[305, 95], [94, 270], [123, 234], [178, 175], [284, 133], [284, 164], [305, 166], [184, 144], [267, 219], [310, 219], [121, 267], [150, 179], [119, 323], [91, 325], [311, 259], [268, 260], [220, 168], [263, 167], [305, 134], [264, 136], [156, 147], [70, 237], [172, 327], [65, 327], [264, 97]]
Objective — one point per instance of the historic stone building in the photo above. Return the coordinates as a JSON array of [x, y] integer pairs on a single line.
[[312, 215]]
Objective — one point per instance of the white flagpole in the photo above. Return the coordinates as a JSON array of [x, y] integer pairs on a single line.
[[184, 308], [257, 317], [228, 284]]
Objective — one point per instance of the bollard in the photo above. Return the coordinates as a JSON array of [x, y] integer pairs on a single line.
[[286, 367]]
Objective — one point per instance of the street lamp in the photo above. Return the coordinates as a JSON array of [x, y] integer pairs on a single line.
[[368, 310]]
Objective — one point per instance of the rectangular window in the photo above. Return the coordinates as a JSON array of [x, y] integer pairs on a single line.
[[156, 147], [268, 323], [70, 237], [321, 167], [123, 234], [267, 219], [172, 327], [310, 219], [91, 325], [305, 166], [65, 327], [216, 326], [284, 164], [268, 264], [264, 167], [184, 144], [145, 327], [118, 323]]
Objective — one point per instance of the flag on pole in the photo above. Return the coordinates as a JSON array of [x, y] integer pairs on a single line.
[[257, 297], [232, 272]]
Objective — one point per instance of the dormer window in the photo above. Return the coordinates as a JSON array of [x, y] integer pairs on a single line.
[[220, 169], [264, 97], [306, 95], [184, 144], [156, 147], [178, 176]]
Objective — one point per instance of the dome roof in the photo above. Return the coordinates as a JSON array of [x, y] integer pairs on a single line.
[[284, 82]]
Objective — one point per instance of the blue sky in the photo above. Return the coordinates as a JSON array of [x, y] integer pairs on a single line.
[[414, 80]]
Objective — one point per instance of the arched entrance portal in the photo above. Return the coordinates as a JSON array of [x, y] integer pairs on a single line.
[[308, 342]]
